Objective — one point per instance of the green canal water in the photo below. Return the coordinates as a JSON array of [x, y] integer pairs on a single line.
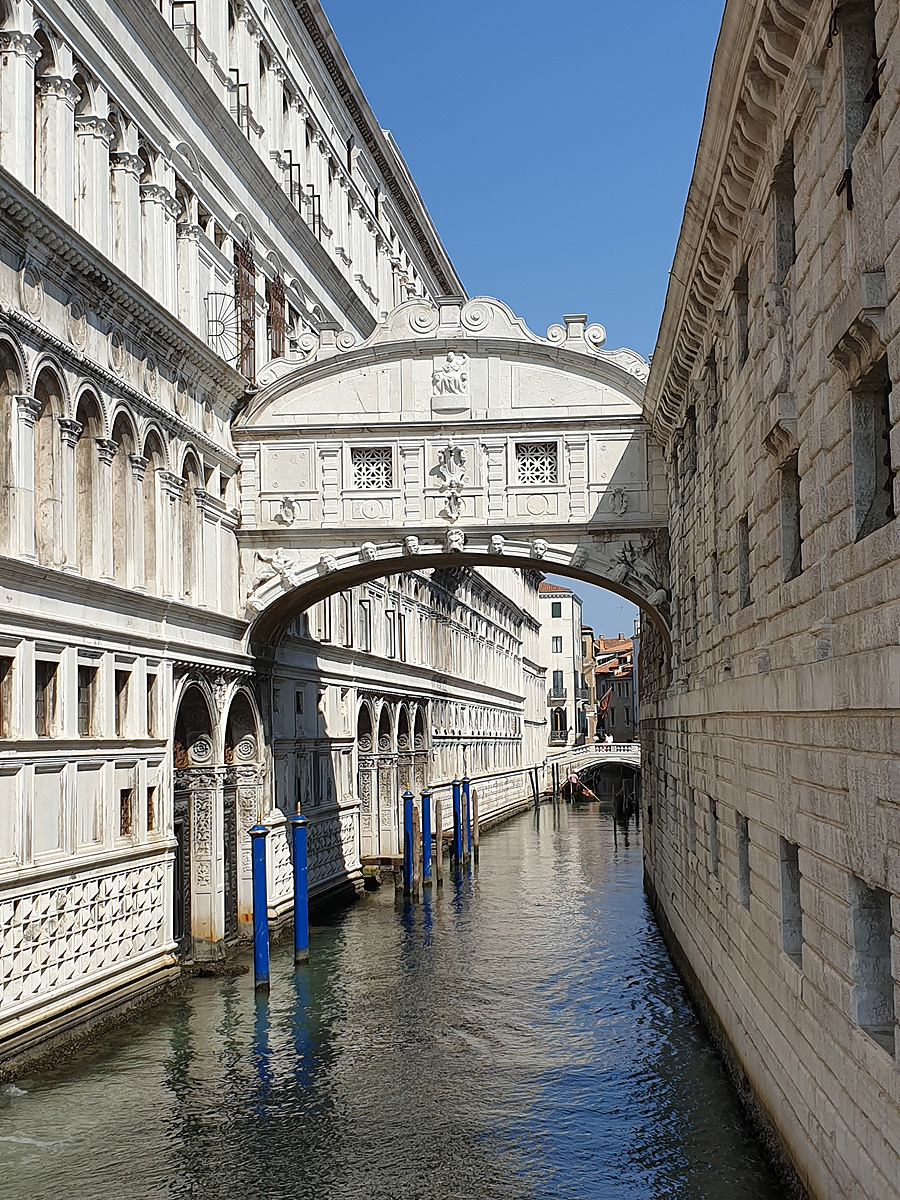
[[523, 1036]]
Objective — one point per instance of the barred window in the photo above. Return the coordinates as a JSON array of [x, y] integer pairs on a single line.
[[373, 467], [536, 462]]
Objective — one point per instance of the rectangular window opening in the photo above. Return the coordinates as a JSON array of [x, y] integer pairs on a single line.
[[556, 608], [743, 860], [152, 715], [87, 678], [556, 645], [151, 809], [6, 697], [785, 191], [44, 697], [691, 821], [873, 472], [744, 594], [536, 462], [791, 912], [713, 839], [123, 679], [742, 314], [791, 540], [873, 982], [860, 70], [373, 467], [126, 812]]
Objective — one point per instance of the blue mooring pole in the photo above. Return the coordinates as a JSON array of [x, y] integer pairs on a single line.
[[260, 909], [457, 822], [299, 825], [426, 838], [467, 809], [407, 843]]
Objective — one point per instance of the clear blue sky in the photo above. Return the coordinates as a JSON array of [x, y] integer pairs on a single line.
[[553, 145]]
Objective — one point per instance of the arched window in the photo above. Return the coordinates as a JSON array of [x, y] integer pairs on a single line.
[[88, 417], [123, 505], [403, 742], [47, 503], [364, 730], [10, 385], [189, 528], [385, 739], [155, 456]]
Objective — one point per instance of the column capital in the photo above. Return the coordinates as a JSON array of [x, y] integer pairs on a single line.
[[29, 408], [106, 449], [155, 193], [58, 87], [187, 232], [13, 41], [70, 430], [96, 127], [121, 161], [139, 465], [174, 485]]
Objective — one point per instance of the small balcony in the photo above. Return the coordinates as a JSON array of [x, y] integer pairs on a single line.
[[559, 739], [583, 693], [556, 696]]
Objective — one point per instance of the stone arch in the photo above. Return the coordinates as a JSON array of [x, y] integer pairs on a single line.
[[124, 497], [49, 395], [365, 729], [154, 455], [242, 807], [404, 734], [420, 736], [11, 380], [192, 481], [89, 417], [385, 730], [195, 792]]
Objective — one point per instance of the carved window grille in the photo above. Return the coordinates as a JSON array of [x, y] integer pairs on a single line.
[[373, 467], [245, 302], [275, 316], [536, 462]]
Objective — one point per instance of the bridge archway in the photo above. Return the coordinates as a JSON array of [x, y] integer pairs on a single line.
[[453, 436]]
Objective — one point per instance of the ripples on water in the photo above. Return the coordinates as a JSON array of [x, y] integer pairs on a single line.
[[522, 1037]]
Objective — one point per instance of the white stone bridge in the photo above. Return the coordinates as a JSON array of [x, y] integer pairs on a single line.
[[452, 436]]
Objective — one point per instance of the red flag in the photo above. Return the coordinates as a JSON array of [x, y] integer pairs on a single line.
[[604, 704]]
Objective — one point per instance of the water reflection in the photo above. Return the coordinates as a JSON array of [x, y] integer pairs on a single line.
[[519, 1034]]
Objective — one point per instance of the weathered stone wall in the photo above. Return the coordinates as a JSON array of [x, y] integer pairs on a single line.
[[771, 777]]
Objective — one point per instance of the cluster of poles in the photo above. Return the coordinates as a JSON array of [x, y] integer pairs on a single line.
[[419, 865]]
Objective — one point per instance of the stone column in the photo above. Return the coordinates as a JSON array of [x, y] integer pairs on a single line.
[[103, 545], [330, 463], [93, 136], [18, 54], [159, 210], [70, 432], [187, 271], [495, 478], [54, 167], [125, 213], [577, 476], [28, 409], [207, 916], [136, 576]]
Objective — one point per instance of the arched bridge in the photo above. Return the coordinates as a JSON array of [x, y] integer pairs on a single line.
[[452, 436]]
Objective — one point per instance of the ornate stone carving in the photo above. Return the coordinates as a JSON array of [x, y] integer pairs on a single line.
[[455, 542], [497, 544], [70, 431], [618, 501], [779, 433], [539, 548], [106, 449], [451, 375], [368, 552], [31, 290], [780, 332], [116, 351], [327, 564], [451, 474], [280, 566], [411, 545], [287, 512]]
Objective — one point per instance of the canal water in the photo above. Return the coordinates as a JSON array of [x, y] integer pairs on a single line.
[[523, 1036]]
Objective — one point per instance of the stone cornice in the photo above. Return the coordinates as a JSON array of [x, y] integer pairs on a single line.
[[755, 56], [117, 386], [31, 218]]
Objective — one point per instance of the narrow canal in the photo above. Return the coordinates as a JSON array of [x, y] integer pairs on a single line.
[[523, 1036]]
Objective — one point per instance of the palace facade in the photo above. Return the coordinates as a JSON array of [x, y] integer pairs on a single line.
[[190, 193]]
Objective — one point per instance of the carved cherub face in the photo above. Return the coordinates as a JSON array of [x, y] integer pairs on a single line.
[[368, 551], [497, 544], [411, 544], [539, 548]]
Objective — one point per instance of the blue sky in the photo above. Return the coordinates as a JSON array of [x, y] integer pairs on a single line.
[[552, 143]]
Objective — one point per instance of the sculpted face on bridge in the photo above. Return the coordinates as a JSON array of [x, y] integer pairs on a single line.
[[454, 429]]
